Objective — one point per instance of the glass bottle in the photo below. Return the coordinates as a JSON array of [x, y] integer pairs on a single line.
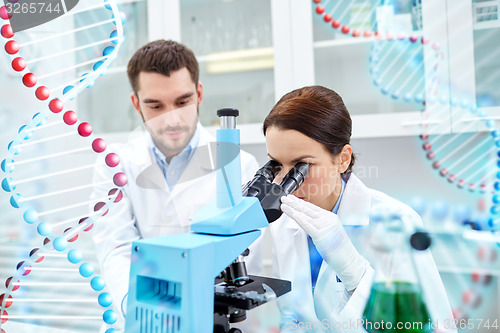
[[396, 302]]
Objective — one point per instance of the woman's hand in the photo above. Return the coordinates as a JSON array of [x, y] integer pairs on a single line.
[[330, 238]]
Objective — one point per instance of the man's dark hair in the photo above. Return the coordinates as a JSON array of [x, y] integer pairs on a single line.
[[162, 57]]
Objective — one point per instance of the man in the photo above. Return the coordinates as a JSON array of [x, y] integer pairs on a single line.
[[167, 165]]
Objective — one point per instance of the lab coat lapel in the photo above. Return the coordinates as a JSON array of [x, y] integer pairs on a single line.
[[356, 202], [328, 292], [290, 241], [300, 270], [147, 173], [295, 266], [151, 177]]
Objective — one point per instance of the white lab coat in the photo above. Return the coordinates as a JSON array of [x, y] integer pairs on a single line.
[[149, 208], [331, 303]]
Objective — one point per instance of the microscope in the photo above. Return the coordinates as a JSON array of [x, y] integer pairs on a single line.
[[197, 282]]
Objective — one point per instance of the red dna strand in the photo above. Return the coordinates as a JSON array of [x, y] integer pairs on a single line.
[[73, 51], [404, 51], [337, 13]]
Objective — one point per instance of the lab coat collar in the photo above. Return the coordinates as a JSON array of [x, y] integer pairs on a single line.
[[354, 207]]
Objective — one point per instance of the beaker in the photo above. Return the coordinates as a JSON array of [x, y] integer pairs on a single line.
[[396, 302]]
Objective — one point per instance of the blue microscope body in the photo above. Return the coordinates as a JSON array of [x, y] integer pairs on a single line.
[[172, 277]]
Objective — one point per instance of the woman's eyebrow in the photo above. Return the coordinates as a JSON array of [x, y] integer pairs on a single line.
[[294, 160], [301, 158]]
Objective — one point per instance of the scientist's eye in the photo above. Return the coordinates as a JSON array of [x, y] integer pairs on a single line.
[[155, 106], [278, 163], [183, 102]]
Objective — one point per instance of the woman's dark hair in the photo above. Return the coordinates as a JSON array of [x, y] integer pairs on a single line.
[[162, 57], [316, 112]]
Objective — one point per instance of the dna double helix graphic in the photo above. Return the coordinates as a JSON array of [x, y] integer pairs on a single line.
[[470, 287], [57, 63], [467, 159], [408, 66]]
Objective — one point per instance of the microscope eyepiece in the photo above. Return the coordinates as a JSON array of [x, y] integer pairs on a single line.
[[269, 170], [257, 187], [295, 177], [269, 193]]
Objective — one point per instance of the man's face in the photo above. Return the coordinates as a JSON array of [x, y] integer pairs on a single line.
[[169, 107]]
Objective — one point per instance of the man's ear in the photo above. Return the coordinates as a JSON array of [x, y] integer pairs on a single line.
[[200, 93], [345, 158], [135, 102]]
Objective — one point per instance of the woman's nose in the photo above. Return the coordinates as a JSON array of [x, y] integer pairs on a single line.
[[281, 174]]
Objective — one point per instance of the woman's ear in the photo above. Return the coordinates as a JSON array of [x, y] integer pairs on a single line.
[[345, 156]]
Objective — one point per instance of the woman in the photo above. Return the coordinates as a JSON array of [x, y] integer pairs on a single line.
[[312, 125]]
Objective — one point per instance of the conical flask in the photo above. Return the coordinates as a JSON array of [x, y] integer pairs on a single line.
[[396, 302]]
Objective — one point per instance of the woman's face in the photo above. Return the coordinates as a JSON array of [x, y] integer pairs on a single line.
[[323, 185]]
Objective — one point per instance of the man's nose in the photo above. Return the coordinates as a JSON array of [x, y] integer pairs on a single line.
[[173, 116]]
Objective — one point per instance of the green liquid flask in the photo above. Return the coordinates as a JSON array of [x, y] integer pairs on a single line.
[[399, 306], [396, 302]]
